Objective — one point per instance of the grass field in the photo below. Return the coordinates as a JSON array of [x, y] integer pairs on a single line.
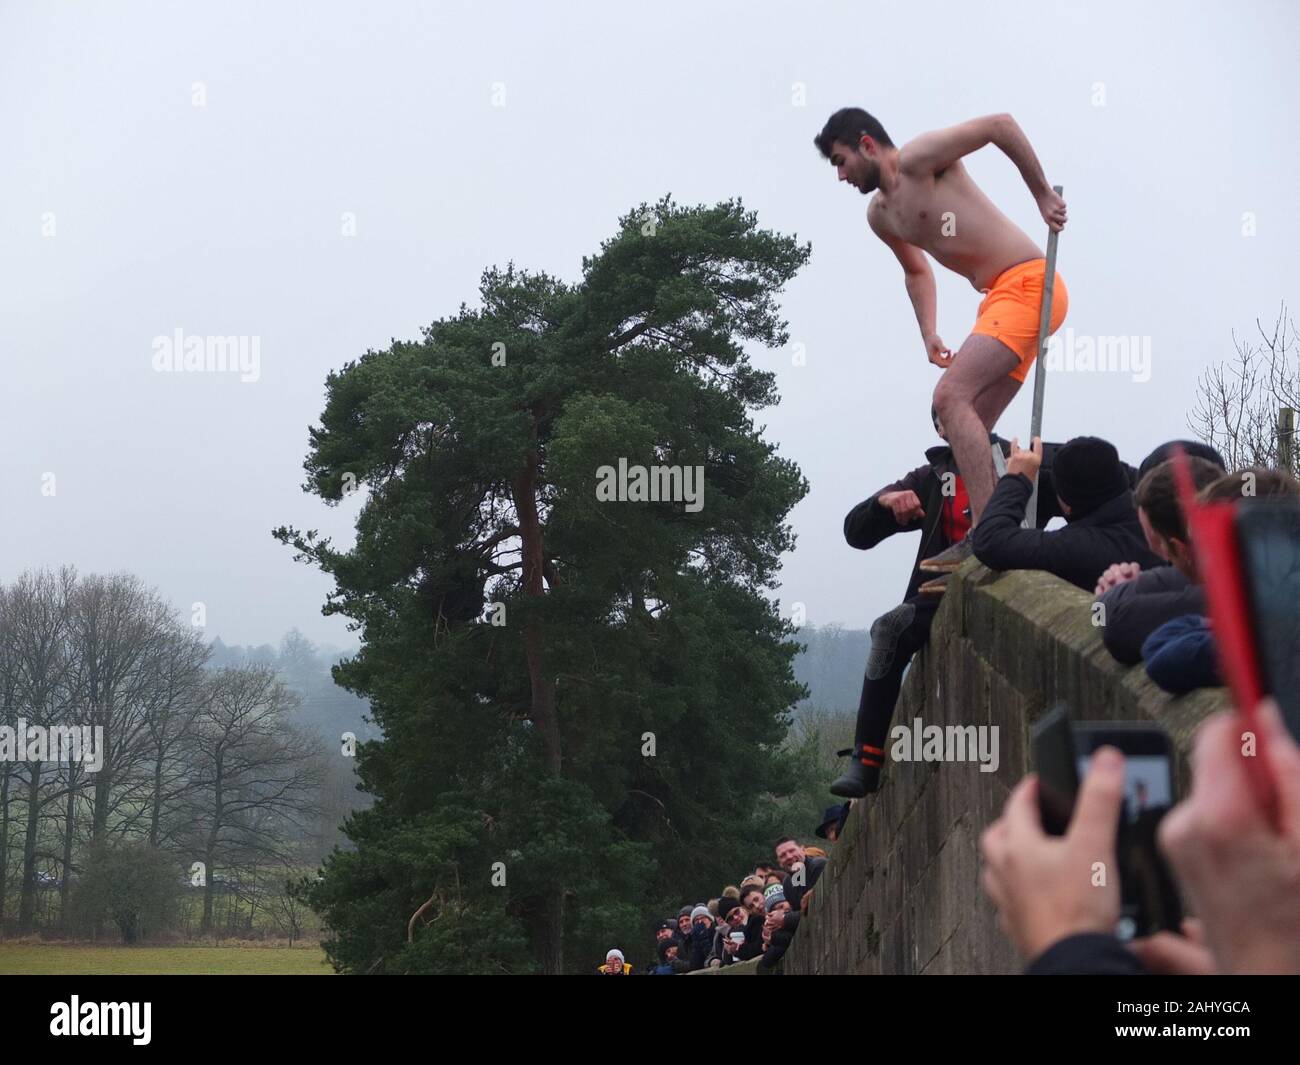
[[35, 959]]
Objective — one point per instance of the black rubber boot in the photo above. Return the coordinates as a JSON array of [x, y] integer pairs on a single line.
[[862, 777]]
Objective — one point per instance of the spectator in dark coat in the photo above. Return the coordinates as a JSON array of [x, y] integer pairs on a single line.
[[779, 927], [802, 871], [1096, 496], [1180, 655], [1137, 601], [754, 903], [932, 500], [700, 943], [667, 959], [732, 919]]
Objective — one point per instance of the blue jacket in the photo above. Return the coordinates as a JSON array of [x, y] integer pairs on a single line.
[[1180, 655]]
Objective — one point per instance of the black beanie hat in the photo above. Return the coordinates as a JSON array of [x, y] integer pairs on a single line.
[[1086, 473], [726, 904], [1194, 448]]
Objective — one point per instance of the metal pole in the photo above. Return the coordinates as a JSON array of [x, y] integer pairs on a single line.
[[1040, 374]]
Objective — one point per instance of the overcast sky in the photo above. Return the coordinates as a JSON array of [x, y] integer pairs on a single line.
[[127, 212]]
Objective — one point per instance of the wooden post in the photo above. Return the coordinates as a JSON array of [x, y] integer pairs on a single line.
[[1286, 439]]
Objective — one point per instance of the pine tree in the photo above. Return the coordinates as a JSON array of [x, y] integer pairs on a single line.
[[582, 701]]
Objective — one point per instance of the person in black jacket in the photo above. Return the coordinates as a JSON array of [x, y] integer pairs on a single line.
[[752, 899], [732, 918], [780, 925], [801, 870], [1137, 601], [931, 499], [700, 942], [1096, 496]]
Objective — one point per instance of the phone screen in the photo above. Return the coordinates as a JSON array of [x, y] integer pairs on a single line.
[[1148, 897], [1268, 533]]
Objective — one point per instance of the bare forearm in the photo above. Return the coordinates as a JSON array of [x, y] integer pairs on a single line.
[[921, 291], [1012, 140]]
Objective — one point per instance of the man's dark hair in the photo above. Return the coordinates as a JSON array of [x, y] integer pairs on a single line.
[[785, 839], [1230, 487], [749, 890], [1157, 495], [1194, 448], [847, 126]]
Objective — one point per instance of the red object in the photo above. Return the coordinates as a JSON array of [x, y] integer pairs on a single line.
[[1213, 533], [956, 524]]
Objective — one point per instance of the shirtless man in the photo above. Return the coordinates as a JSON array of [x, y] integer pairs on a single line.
[[928, 202]]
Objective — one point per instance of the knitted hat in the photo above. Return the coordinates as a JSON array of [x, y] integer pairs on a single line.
[[615, 953], [773, 897], [726, 905], [700, 911], [1086, 473]]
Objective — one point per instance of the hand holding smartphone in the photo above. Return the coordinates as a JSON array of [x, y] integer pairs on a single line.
[[1062, 750]]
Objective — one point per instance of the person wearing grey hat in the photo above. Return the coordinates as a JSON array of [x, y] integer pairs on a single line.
[[780, 926], [700, 941]]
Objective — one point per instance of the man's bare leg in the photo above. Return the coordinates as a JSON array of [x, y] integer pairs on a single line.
[[970, 397]]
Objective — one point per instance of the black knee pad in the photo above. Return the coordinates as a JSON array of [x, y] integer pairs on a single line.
[[885, 631]]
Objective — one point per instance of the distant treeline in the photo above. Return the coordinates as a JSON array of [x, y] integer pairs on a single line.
[[210, 777]]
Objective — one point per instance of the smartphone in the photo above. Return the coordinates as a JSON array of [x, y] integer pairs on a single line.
[[1268, 539], [1062, 751]]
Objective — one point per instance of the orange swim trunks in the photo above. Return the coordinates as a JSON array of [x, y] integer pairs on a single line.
[[1011, 309]]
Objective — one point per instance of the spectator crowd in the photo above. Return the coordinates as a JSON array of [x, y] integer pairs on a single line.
[[1125, 540], [756, 918]]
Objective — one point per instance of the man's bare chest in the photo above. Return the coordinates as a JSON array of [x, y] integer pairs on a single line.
[[917, 215]]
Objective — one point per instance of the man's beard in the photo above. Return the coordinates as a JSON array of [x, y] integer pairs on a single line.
[[870, 180]]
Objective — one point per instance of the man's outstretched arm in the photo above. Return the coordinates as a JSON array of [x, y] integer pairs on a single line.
[[918, 278], [935, 151]]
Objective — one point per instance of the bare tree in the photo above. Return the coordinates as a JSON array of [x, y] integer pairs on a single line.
[[169, 709], [122, 633], [288, 910], [8, 718], [255, 777], [1237, 401], [36, 621]]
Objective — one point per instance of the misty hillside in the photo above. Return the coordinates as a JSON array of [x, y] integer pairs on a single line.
[[831, 666], [305, 670]]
